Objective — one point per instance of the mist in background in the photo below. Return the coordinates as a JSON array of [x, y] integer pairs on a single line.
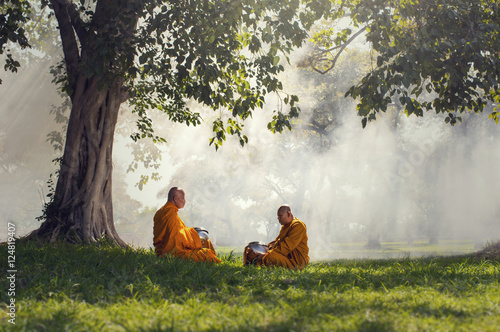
[[400, 179]]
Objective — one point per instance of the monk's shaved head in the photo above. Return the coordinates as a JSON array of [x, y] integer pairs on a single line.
[[172, 192], [177, 196], [285, 208], [285, 215]]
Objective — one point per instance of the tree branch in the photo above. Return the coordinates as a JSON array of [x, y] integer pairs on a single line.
[[77, 22], [311, 127], [68, 38], [334, 61]]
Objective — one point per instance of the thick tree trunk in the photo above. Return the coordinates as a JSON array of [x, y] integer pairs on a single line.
[[82, 209], [97, 57]]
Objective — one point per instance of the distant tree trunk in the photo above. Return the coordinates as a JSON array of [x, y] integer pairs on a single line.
[[82, 209], [373, 242]]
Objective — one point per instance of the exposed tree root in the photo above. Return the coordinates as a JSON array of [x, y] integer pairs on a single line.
[[58, 234]]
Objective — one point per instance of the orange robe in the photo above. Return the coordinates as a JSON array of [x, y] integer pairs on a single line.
[[290, 247], [172, 236]]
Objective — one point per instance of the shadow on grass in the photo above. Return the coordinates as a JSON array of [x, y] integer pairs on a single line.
[[103, 273]]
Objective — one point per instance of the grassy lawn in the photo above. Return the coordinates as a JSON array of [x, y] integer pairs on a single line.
[[102, 288]]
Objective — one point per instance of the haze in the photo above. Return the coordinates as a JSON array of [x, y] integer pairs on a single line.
[[400, 179]]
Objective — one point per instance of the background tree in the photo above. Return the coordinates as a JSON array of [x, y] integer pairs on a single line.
[[449, 49]]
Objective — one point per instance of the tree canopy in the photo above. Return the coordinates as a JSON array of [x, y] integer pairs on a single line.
[[440, 55], [224, 54]]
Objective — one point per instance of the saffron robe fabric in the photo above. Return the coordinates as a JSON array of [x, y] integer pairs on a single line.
[[290, 247], [172, 236]]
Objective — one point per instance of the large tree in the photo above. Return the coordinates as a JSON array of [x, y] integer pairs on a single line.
[[449, 49], [157, 55]]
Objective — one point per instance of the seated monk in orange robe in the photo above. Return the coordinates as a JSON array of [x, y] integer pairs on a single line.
[[290, 247], [172, 236]]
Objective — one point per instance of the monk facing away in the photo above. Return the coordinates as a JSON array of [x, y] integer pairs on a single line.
[[290, 247], [172, 236]]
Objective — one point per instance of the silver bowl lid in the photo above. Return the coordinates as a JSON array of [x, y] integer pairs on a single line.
[[258, 247], [202, 232]]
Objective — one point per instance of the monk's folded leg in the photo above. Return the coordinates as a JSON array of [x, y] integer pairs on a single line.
[[210, 255], [275, 258], [207, 244], [203, 255]]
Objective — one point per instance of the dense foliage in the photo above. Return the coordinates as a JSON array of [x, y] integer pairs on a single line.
[[429, 55], [223, 54], [13, 16]]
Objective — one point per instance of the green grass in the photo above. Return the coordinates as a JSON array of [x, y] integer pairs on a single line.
[[103, 288]]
